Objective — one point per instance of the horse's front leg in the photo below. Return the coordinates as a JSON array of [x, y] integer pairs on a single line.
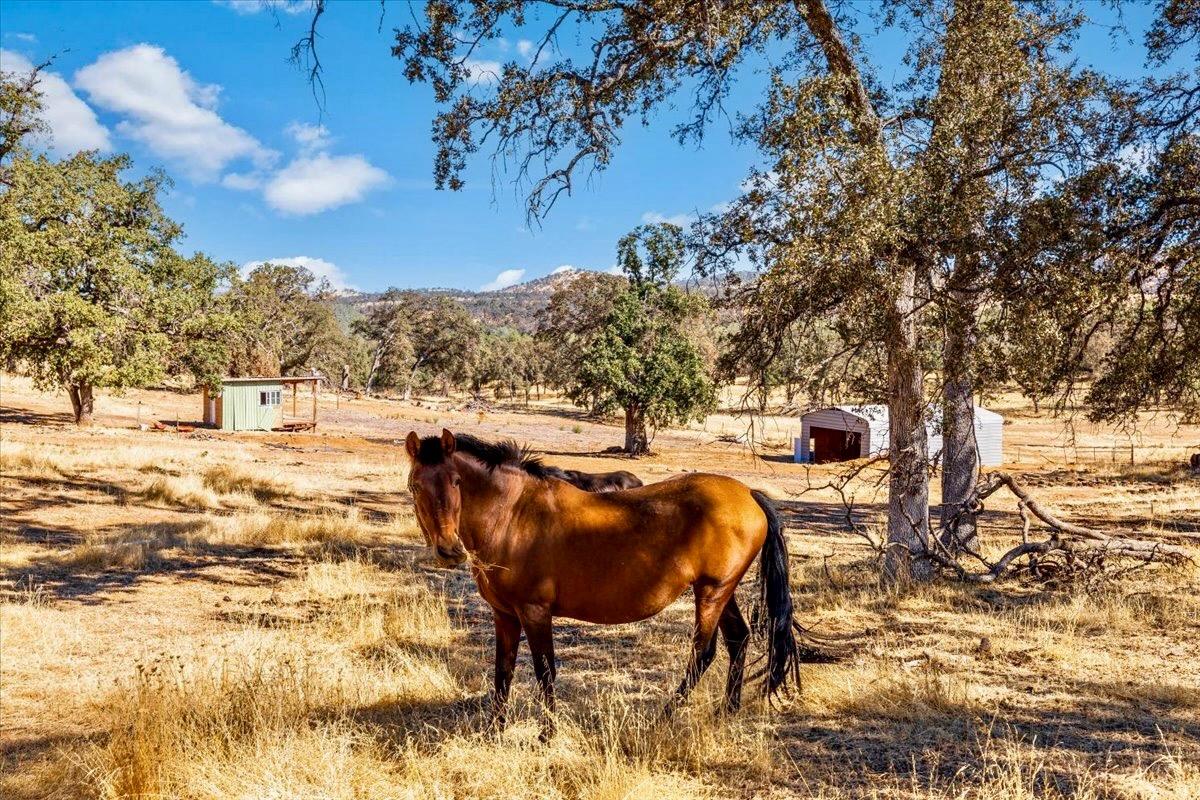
[[540, 632], [508, 638]]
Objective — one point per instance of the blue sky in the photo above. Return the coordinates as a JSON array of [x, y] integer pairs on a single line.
[[205, 90]]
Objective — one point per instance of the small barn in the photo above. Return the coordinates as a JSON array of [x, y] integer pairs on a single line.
[[261, 404], [844, 433]]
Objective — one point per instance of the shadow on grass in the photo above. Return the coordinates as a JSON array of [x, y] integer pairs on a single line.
[[121, 557]]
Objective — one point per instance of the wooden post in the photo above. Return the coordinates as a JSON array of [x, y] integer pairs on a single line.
[[315, 383], [294, 388]]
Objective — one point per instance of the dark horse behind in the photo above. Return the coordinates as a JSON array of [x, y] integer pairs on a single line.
[[596, 481], [540, 548]]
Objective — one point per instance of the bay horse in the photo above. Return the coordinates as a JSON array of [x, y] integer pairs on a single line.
[[596, 481], [540, 549]]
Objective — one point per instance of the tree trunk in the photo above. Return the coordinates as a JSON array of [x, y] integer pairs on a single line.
[[375, 364], [960, 449], [906, 558], [412, 377], [636, 441], [82, 403]]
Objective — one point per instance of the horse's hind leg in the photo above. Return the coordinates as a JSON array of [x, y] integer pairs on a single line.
[[710, 603], [736, 634]]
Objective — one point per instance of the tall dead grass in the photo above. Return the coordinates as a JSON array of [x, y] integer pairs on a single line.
[[131, 550], [268, 717], [187, 491], [880, 690], [333, 529], [144, 547], [19, 461], [229, 479]]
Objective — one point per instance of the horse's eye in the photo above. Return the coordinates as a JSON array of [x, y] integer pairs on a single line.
[[457, 480]]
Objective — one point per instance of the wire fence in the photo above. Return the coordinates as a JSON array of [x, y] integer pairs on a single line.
[[1100, 453]]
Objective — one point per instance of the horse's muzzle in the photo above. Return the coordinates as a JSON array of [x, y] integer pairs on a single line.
[[450, 557]]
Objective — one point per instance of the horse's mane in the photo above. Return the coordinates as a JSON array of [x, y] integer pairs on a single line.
[[491, 454]]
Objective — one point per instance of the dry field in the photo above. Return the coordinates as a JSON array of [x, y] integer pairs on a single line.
[[253, 616]]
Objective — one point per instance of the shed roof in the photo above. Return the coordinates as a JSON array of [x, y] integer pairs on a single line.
[[268, 379], [878, 412]]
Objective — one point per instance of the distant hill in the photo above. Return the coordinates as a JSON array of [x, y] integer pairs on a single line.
[[515, 306]]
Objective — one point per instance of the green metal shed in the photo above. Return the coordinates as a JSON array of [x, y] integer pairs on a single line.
[[257, 404]]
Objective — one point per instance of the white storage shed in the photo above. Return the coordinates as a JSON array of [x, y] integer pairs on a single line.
[[844, 433]]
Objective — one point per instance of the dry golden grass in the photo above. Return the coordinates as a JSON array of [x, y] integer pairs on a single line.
[[230, 479], [17, 460], [146, 547], [337, 529], [889, 691], [131, 551], [187, 491]]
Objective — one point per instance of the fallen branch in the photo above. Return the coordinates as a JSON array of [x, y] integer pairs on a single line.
[[1065, 538]]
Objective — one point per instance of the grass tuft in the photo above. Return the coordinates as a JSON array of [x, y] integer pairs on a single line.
[[228, 479], [186, 491]]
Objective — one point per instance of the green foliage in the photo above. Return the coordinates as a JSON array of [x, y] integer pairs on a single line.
[[511, 360], [571, 320], [20, 115], [444, 338], [386, 327], [420, 341], [93, 293], [636, 349], [1155, 357]]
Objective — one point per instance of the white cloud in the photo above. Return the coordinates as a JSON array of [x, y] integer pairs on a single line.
[[313, 180], [615, 270], [168, 111], [307, 136], [563, 268], [242, 181], [508, 277], [73, 124], [310, 184], [482, 71], [28, 38], [255, 6], [319, 267], [525, 48], [654, 218]]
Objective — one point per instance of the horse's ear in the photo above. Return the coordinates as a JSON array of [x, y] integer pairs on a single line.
[[447, 442], [413, 445]]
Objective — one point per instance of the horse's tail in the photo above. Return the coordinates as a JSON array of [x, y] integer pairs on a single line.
[[775, 599]]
